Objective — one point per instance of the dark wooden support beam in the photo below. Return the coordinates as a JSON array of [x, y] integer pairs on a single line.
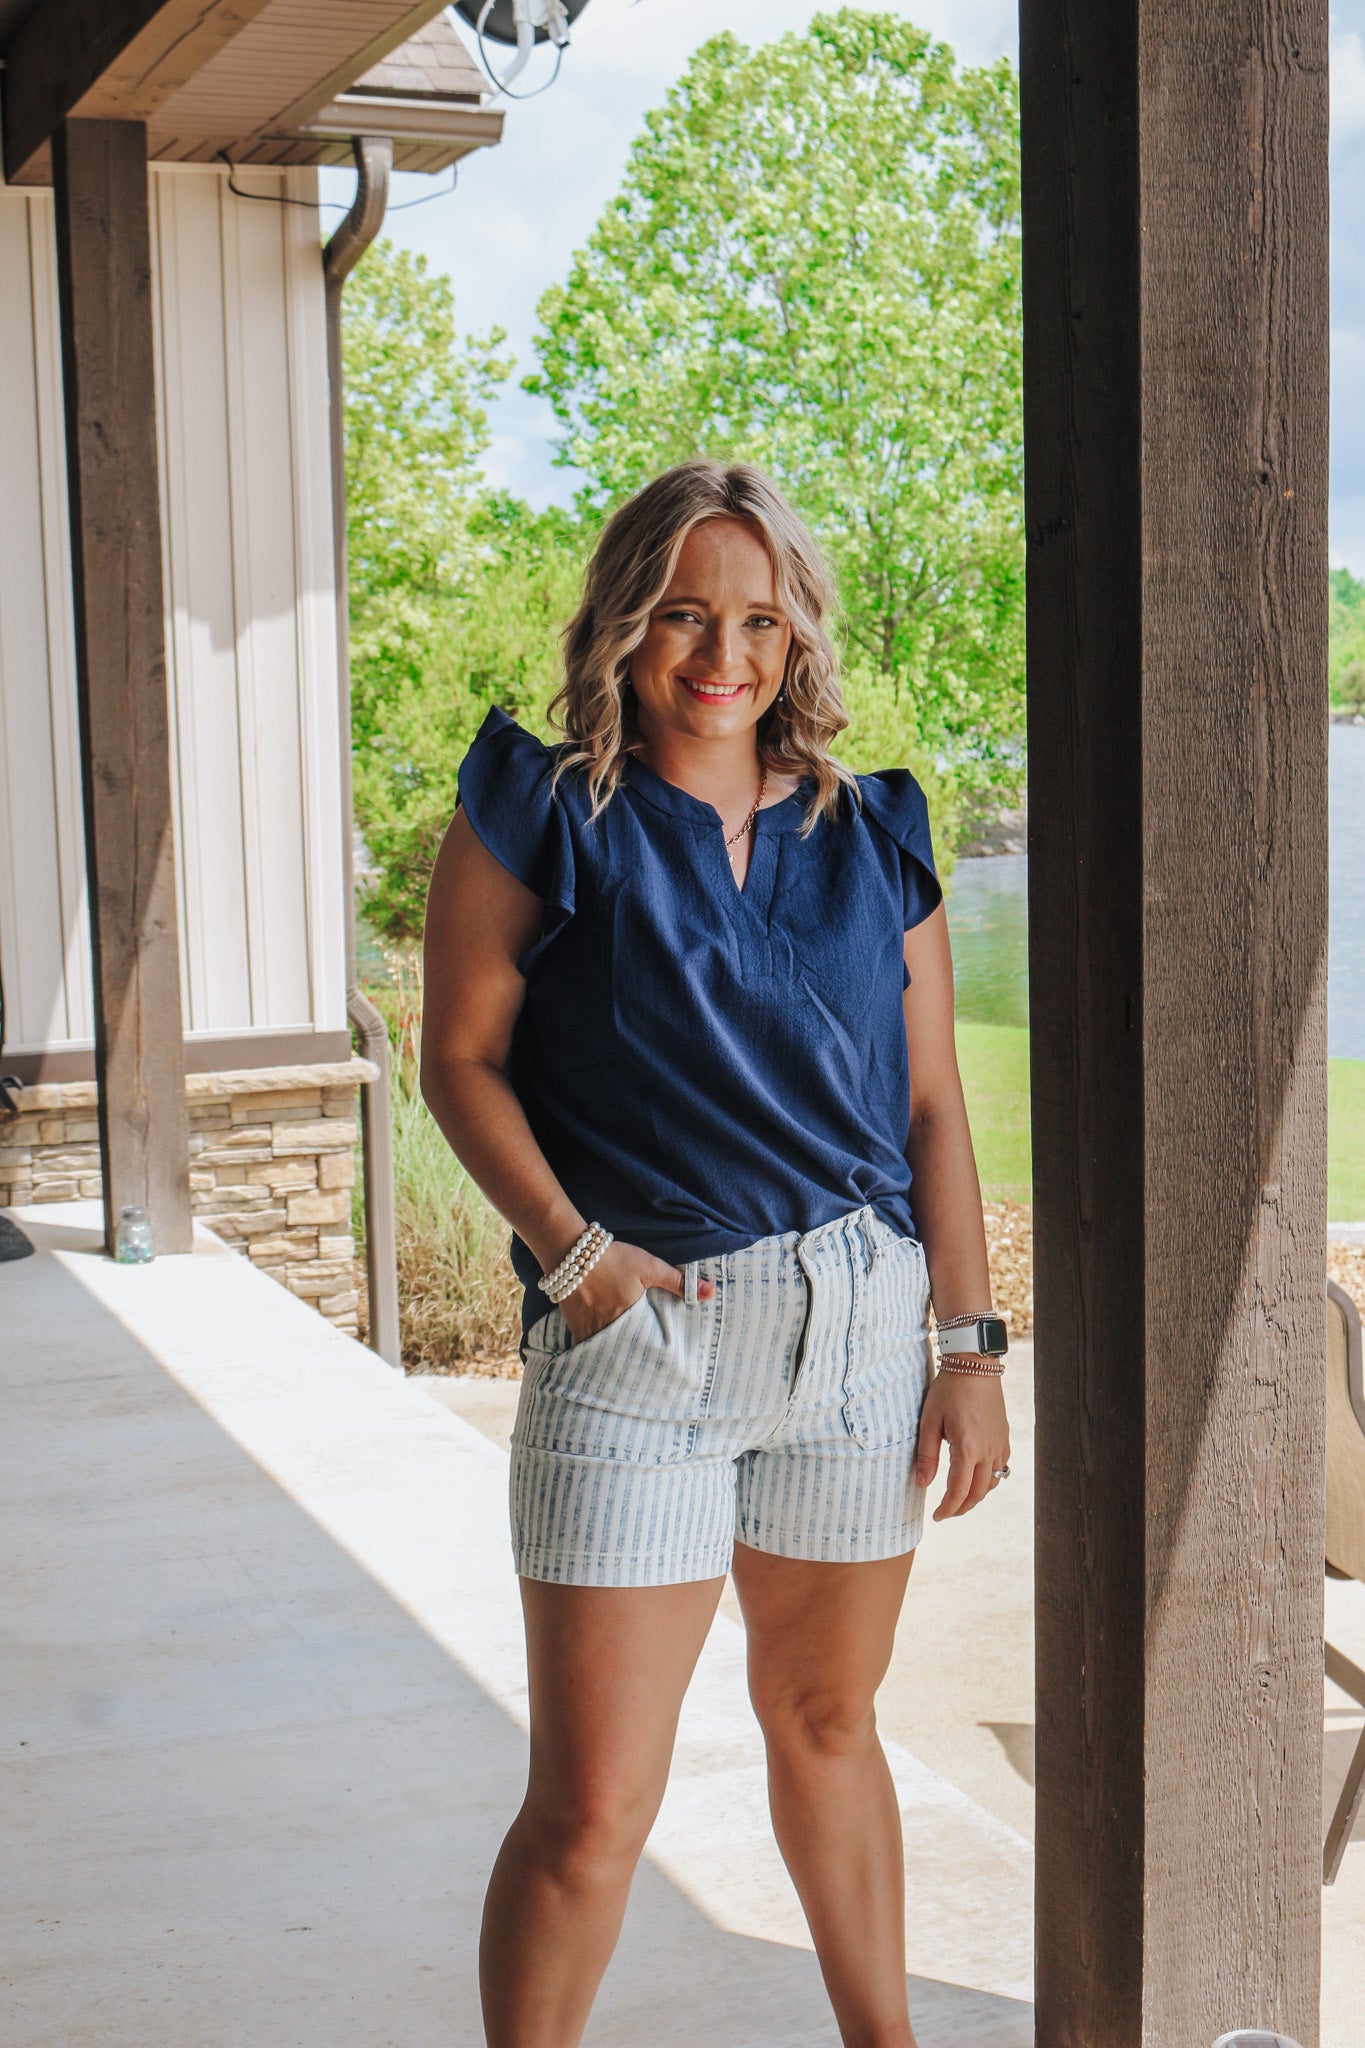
[[1175, 233], [106, 59], [144, 60], [59, 53], [104, 279]]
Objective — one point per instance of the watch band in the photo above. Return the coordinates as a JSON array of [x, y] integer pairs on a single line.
[[987, 1337]]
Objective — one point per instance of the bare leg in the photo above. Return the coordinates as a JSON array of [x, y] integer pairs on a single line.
[[608, 1669], [820, 1638]]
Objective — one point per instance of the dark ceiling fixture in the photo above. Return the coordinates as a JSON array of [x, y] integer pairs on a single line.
[[523, 23], [501, 24]]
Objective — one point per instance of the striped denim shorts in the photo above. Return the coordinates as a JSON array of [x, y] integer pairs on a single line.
[[781, 1412]]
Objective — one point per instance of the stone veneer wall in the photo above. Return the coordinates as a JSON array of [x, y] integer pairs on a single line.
[[272, 1163]]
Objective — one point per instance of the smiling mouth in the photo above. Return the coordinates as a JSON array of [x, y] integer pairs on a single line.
[[714, 691]]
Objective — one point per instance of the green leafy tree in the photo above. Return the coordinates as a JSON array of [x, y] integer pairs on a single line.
[[1346, 659], [879, 735], [415, 430], [496, 641], [813, 263], [457, 594]]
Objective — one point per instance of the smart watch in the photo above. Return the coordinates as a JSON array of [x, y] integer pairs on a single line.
[[987, 1337]]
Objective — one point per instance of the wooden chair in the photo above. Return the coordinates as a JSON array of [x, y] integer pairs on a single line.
[[1345, 1531]]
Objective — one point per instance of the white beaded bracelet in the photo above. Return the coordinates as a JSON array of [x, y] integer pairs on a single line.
[[576, 1263]]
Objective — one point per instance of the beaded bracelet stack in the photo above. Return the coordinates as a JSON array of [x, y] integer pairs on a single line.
[[576, 1264], [969, 1362]]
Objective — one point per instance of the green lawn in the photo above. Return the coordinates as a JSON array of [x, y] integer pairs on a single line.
[[994, 1061], [1346, 1140]]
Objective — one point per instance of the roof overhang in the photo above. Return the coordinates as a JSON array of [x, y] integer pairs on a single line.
[[426, 135], [256, 81]]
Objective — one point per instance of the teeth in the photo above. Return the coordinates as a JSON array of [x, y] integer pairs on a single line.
[[712, 689]]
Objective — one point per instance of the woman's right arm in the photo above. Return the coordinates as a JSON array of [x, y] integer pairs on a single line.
[[480, 920]]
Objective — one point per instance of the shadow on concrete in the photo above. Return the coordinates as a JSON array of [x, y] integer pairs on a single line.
[[1016, 1739], [251, 1801], [13, 1243], [1338, 1747]]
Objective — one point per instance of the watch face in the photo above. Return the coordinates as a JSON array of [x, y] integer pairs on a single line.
[[995, 1341]]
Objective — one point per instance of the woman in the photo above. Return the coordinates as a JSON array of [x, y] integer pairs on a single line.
[[679, 972]]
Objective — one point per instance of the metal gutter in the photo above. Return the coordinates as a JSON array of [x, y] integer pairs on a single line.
[[374, 161], [431, 123]]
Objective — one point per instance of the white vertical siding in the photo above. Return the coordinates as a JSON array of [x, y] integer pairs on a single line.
[[197, 495], [78, 990], [270, 586], [44, 942], [250, 620], [314, 620]]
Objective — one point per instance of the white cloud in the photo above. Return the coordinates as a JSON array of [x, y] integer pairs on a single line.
[[1348, 410], [1348, 87], [1348, 534], [1348, 286]]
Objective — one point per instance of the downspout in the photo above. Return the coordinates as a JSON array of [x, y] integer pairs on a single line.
[[374, 161]]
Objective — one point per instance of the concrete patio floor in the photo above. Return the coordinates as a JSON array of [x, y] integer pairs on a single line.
[[959, 1694], [263, 1707]]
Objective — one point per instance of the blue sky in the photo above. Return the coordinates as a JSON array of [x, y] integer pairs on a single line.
[[1348, 285], [521, 209]]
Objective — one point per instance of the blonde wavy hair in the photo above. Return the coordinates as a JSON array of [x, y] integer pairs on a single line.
[[631, 568]]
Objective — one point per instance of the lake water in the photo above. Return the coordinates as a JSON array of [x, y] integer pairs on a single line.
[[987, 911]]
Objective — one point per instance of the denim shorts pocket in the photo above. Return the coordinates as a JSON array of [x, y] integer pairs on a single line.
[[551, 1336], [889, 1357], [631, 1393]]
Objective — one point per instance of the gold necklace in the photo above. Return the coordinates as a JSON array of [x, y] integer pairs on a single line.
[[748, 824]]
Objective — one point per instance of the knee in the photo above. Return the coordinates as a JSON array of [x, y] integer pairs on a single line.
[[809, 1726], [588, 1836]]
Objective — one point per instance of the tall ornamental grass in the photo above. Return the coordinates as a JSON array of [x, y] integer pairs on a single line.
[[458, 1298]]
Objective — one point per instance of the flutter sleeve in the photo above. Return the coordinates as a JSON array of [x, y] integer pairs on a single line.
[[894, 799], [505, 791]]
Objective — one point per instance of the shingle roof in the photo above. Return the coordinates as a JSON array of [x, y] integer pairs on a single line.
[[433, 64]]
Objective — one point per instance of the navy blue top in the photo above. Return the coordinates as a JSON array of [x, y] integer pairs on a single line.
[[701, 1065]]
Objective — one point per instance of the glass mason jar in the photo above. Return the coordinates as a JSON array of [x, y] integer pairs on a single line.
[[133, 1238], [1254, 2037]]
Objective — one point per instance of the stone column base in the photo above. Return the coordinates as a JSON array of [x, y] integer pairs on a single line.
[[272, 1164]]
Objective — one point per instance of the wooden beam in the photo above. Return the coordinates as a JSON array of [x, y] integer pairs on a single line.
[[105, 290], [57, 55], [172, 50], [118, 59], [1175, 292]]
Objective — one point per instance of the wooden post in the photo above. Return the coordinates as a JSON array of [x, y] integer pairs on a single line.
[[104, 277], [1175, 236]]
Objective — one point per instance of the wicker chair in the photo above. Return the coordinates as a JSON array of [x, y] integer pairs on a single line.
[[1345, 1531]]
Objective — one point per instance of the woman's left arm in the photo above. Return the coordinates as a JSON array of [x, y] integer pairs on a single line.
[[965, 1411]]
